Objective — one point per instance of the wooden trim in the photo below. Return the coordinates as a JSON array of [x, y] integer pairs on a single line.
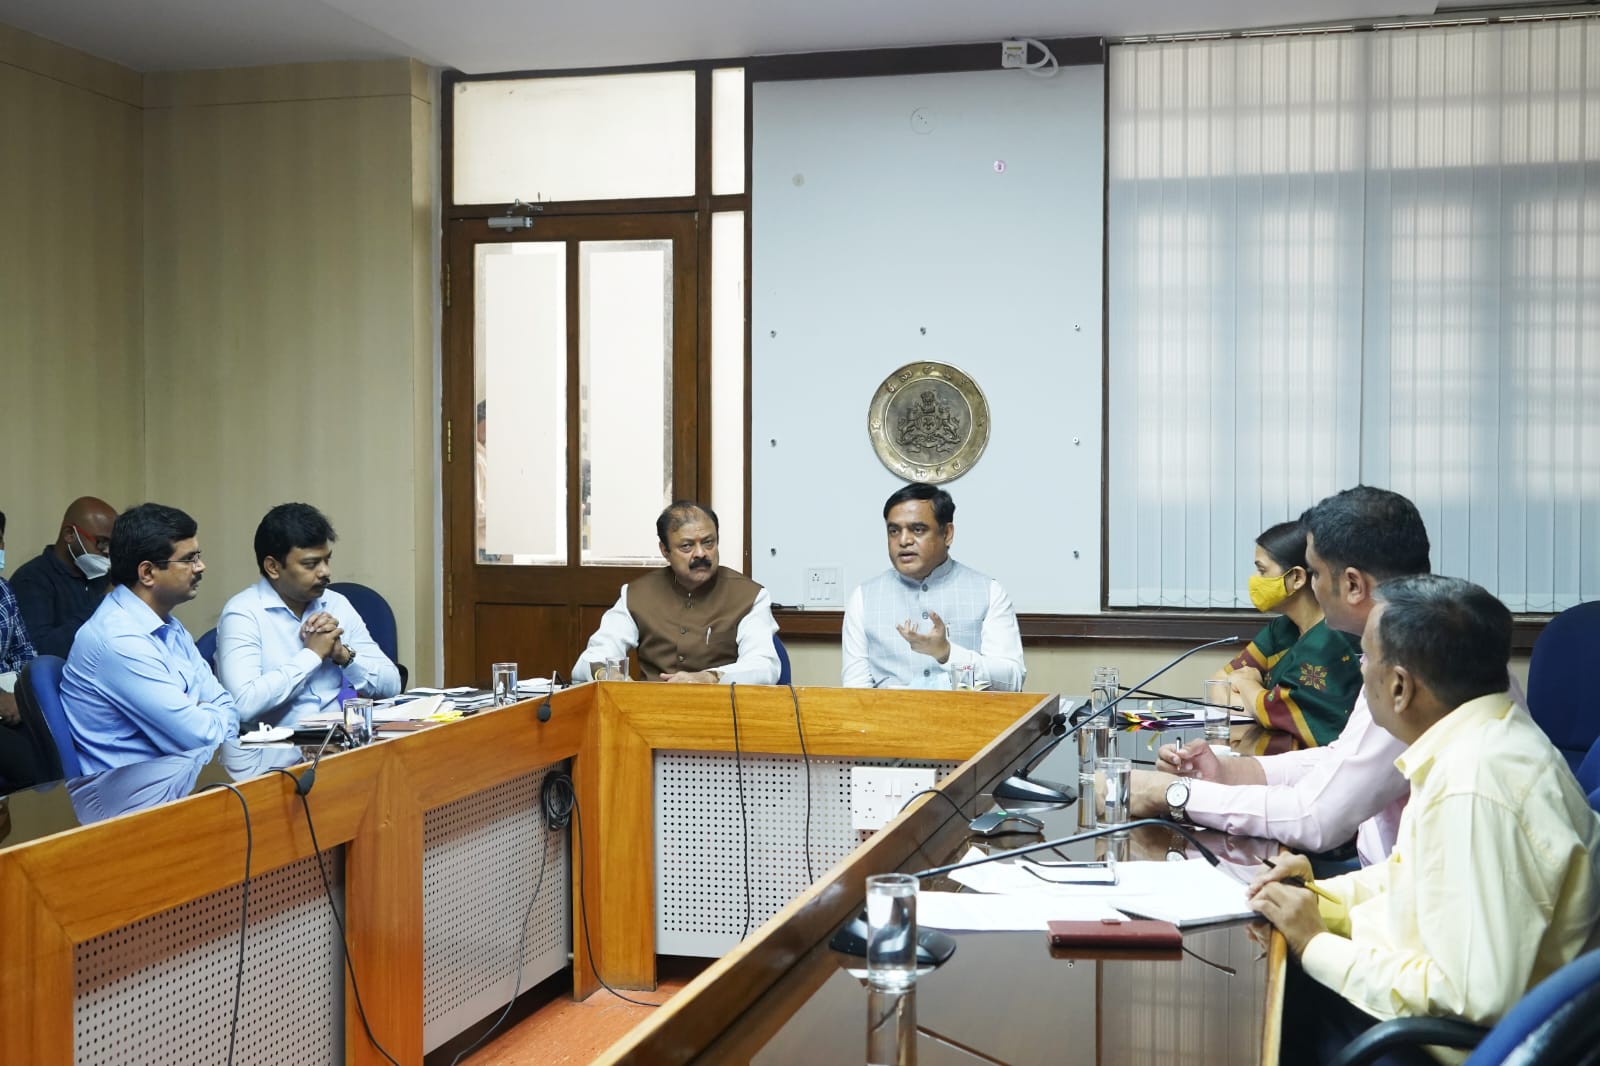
[[931, 59], [1153, 624], [1272, 1021], [648, 205]]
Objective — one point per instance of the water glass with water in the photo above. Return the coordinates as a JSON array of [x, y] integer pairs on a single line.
[[1215, 709], [503, 683], [891, 930], [1118, 775], [358, 720], [614, 670], [892, 1026]]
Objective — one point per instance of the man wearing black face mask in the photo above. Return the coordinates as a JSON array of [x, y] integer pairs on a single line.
[[61, 587], [694, 620]]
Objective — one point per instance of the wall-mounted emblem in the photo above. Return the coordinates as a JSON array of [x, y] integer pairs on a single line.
[[928, 422]]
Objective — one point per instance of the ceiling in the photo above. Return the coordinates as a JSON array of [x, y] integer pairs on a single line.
[[479, 36]]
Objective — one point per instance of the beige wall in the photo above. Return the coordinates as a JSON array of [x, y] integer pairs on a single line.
[[289, 336], [217, 292], [71, 298]]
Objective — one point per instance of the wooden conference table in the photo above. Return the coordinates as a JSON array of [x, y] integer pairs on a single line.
[[780, 996], [785, 997]]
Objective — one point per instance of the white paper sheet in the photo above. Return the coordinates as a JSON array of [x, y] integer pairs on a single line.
[[982, 912]]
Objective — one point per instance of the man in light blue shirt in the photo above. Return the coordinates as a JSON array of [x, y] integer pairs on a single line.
[[929, 622], [288, 645], [135, 687]]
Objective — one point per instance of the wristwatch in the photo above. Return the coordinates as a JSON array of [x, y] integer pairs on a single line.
[[1177, 799], [346, 664]]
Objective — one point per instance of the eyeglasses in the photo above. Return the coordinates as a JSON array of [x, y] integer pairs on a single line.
[[191, 561], [102, 545]]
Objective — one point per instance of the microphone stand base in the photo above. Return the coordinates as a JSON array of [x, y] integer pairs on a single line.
[[1017, 787]]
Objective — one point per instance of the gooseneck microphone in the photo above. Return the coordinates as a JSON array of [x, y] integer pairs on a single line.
[[1077, 838], [303, 783], [544, 708], [1019, 786]]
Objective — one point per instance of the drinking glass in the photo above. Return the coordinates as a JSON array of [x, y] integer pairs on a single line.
[[358, 720], [1215, 709], [891, 930], [1118, 774], [503, 683]]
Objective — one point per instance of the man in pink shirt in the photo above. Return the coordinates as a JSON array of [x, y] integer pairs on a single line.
[[1315, 799]]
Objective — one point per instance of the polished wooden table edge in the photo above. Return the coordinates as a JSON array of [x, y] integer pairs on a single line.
[[692, 1020]]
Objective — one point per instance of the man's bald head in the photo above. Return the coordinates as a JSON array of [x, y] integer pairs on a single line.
[[86, 527]]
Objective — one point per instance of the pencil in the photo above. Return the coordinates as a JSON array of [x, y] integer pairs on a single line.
[[1311, 886]]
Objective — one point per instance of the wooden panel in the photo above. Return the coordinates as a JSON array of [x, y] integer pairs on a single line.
[[536, 636], [929, 725], [36, 979]]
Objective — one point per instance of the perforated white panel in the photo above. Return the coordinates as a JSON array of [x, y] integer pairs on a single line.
[[481, 859], [700, 878], [160, 991]]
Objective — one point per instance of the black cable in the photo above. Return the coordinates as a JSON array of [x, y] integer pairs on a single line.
[[522, 938], [934, 792], [344, 941], [553, 785], [744, 817], [244, 911], [805, 756]]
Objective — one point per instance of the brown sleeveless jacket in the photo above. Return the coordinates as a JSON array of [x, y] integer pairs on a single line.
[[684, 632]]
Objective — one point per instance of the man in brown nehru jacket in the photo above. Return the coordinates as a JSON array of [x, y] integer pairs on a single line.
[[694, 620]]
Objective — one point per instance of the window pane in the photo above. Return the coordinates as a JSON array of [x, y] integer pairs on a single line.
[[520, 383], [727, 132], [625, 397], [590, 138], [727, 382]]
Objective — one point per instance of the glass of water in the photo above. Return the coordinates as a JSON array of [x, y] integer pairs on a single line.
[[891, 930], [358, 720], [503, 683], [1118, 775], [1216, 699]]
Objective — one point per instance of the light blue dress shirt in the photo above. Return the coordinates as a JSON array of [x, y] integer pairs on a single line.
[[274, 678], [135, 688]]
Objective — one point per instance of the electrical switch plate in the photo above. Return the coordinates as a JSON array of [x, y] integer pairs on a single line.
[[878, 792], [822, 586], [1013, 54]]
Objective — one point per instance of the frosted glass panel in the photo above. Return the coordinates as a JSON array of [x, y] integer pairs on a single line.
[[727, 132], [625, 397], [590, 138], [520, 375], [727, 382]]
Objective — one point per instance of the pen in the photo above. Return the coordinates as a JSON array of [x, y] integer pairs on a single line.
[[1301, 882]]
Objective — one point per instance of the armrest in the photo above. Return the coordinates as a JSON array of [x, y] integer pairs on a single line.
[[1410, 1032]]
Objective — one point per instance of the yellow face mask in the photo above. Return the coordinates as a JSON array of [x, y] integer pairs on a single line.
[[1268, 592]]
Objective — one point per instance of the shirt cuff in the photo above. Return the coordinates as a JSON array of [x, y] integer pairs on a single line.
[[1328, 959]]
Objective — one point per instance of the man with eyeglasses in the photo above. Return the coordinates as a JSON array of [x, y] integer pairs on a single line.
[[135, 686], [59, 588]]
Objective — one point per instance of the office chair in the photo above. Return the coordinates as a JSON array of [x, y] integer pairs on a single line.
[[1588, 771], [207, 647], [39, 693], [1557, 1023], [784, 674], [28, 756], [379, 617], [1560, 691]]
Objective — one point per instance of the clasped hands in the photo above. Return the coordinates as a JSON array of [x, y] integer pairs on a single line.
[[322, 633]]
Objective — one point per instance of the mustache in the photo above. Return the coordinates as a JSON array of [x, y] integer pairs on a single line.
[[700, 564]]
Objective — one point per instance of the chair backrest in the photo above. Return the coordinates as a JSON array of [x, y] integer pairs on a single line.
[[1588, 771], [1560, 691], [784, 675], [1557, 1022], [43, 678], [207, 647], [376, 613]]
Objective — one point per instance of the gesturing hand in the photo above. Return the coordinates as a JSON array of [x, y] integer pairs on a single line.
[[935, 642]]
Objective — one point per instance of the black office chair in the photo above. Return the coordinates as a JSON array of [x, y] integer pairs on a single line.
[[379, 617], [1556, 1024]]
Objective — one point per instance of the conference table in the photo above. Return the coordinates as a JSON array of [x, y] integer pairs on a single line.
[[122, 935]]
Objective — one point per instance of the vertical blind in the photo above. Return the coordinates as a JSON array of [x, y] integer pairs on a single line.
[[1343, 258]]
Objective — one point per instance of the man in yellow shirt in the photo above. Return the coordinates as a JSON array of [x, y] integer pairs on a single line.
[[1492, 884]]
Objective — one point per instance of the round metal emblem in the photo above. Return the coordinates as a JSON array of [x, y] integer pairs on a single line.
[[928, 422]]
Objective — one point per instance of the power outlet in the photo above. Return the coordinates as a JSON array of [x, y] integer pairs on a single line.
[[878, 792], [1013, 55], [823, 586]]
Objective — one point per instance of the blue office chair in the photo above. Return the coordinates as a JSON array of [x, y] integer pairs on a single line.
[[784, 674], [207, 646], [1588, 771], [1556, 1023], [42, 678], [379, 617], [1561, 693]]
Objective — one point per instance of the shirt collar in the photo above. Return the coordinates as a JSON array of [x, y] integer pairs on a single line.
[[1471, 716], [269, 599], [138, 611], [936, 575]]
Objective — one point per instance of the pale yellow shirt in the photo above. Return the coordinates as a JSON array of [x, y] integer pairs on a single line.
[[1492, 883]]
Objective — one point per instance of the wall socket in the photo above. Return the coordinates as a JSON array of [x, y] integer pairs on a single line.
[[1013, 54], [823, 586], [878, 792]]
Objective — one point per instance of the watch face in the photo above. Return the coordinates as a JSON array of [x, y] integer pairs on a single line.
[[1178, 793]]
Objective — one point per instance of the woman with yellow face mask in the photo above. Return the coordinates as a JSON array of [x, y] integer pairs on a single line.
[[1297, 676]]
